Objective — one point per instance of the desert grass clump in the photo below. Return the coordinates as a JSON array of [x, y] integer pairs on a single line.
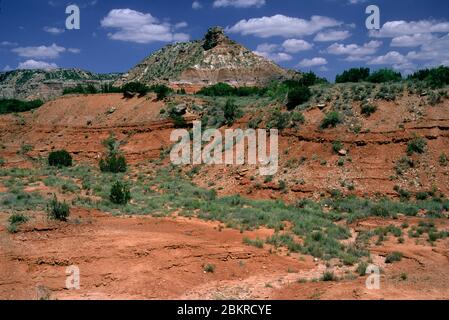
[[328, 276], [331, 120], [416, 145], [58, 210], [394, 257], [443, 159], [15, 221], [337, 146], [368, 109], [361, 268], [258, 243]]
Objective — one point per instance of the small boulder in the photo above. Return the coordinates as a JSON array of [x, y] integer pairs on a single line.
[[129, 95], [180, 109]]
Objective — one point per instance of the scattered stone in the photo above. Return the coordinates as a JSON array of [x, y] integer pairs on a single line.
[[180, 109], [129, 95]]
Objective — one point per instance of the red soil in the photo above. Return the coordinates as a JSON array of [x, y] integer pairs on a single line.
[[149, 258]]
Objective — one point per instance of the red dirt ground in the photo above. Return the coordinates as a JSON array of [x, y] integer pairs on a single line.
[[163, 258], [155, 258]]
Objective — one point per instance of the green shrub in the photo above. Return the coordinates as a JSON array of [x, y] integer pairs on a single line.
[[297, 96], [331, 119], [435, 78], [113, 163], [361, 268], [309, 79], [385, 75], [258, 243], [337, 146], [231, 112], [136, 87], [58, 210], [279, 120], [404, 194], [120, 193], [209, 268], [298, 117], [393, 257], [404, 164], [422, 195], [13, 105], [434, 98], [353, 75], [282, 185], [379, 211], [178, 120], [328, 276], [80, 89], [60, 158], [161, 90], [18, 218], [226, 90], [368, 109], [443, 159], [217, 90], [416, 145], [212, 38]]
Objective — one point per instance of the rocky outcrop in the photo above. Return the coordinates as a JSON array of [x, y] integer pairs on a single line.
[[214, 59]]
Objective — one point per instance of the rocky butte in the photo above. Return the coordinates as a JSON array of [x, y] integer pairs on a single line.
[[214, 59]]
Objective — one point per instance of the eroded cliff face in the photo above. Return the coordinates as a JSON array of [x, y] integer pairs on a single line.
[[47, 84], [214, 59]]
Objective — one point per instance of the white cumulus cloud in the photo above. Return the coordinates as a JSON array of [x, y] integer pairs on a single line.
[[295, 45], [314, 62], [238, 3], [392, 29], [138, 27], [33, 64], [414, 40], [332, 35], [272, 52], [280, 25], [354, 52], [40, 52], [53, 30], [196, 5], [392, 57]]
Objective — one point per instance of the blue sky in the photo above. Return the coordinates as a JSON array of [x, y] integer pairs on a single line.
[[325, 36]]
